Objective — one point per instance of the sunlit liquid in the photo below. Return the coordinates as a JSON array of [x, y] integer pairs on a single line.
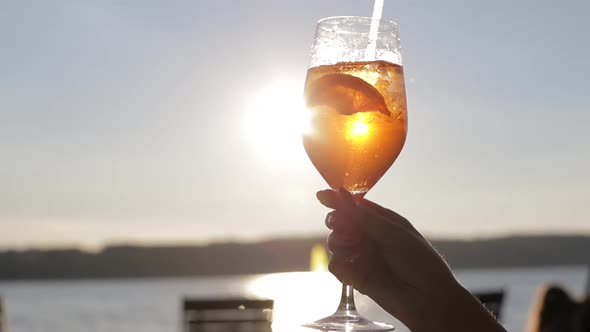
[[358, 123]]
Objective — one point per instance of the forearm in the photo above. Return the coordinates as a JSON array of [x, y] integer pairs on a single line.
[[447, 308], [460, 311]]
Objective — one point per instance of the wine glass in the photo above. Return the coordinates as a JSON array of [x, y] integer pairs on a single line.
[[355, 92]]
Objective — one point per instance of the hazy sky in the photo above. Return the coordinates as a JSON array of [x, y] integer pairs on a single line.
[[145, 120]]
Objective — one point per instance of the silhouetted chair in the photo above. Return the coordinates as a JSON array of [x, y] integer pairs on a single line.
[[2, 317], [492, 301], [227, 315]]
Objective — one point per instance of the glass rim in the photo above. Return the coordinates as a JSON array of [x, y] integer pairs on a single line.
[[384, 25]]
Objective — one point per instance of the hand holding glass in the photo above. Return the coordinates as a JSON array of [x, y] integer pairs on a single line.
[[356, 94]]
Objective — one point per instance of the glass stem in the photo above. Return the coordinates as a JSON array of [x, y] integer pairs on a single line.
[[347, 299]]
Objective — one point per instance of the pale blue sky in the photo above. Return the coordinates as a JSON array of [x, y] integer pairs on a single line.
[[126, 120]]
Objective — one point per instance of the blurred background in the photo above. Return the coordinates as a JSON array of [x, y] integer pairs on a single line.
[[160, 139]]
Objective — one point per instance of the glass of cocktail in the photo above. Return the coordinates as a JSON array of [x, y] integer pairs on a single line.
[[355, 92]]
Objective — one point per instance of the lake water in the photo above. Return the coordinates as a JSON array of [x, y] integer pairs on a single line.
[[154, 305]]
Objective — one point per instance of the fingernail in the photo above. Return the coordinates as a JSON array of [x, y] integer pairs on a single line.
[[330, 220]]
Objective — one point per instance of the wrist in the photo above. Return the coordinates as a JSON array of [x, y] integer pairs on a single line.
[[461, 311], [450, 307]]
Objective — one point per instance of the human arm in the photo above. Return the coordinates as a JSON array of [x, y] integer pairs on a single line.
[[386, 258]]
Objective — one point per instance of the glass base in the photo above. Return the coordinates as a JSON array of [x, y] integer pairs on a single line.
[[348, 320]]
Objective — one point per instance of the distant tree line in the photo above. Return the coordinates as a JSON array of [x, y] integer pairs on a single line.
[[127, 261]]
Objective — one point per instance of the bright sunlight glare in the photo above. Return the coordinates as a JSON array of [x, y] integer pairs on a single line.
[[359, 127], [299, 297], [302, 297], [274, 121]]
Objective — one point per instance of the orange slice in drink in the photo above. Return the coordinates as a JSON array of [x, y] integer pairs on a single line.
[[346, 94]]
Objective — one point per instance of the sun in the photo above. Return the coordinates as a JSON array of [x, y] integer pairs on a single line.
[[358, 128], [274, 120]]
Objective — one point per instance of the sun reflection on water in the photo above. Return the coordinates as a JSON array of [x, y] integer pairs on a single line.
[[299, 297], [304, 297]]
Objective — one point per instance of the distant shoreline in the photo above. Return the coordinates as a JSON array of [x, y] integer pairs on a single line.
[[271, 256], [229, 276]]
